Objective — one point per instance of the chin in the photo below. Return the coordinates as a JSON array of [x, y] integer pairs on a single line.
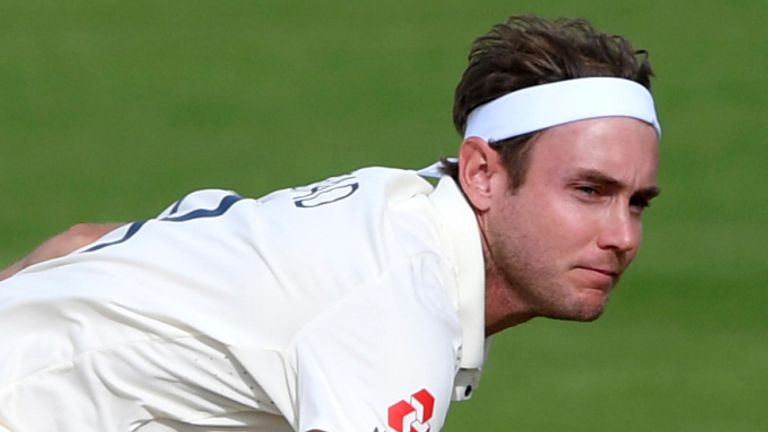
[[592, 309], [592, 304], [591, 315], [586, 311]]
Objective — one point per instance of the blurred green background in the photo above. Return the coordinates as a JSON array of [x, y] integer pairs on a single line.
[[111, 110]]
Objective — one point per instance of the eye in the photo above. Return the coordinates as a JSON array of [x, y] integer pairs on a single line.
[[587, 190], [639, 204], [588, 193]]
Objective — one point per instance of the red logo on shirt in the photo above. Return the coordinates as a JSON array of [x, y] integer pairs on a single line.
[[412, 416]]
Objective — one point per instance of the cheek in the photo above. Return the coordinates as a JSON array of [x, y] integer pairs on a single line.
[[563, 222]]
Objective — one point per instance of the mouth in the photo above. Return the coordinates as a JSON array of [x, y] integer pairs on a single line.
[[606, 271], [602, 278]]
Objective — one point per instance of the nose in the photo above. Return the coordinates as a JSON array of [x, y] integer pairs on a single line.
[[622, 231]]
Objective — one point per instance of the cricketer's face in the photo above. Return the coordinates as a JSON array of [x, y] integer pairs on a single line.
[[562, 240]]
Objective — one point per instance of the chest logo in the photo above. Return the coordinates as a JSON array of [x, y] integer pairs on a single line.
[[412, 415]]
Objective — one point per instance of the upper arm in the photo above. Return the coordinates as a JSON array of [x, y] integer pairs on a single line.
[[61, 244]]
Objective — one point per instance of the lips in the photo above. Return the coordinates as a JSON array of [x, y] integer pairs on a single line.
[[606, 271], [599, 277]]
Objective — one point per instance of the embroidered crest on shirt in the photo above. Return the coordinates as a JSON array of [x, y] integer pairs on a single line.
[[412, 415]]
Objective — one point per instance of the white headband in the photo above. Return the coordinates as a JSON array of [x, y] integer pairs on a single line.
[[539, 107]]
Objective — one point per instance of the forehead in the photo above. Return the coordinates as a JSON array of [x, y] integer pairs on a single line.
[[620, 147]]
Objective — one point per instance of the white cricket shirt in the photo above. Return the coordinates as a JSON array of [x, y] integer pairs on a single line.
[[353, 304]]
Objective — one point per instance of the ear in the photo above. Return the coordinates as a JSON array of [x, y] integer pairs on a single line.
[[478, 165]]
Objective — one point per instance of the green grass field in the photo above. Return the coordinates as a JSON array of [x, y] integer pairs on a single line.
[[111, 110]]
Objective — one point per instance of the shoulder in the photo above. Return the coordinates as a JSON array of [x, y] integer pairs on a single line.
[[378, 356]]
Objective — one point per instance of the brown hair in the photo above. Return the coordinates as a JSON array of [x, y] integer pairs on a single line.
[[526, 51]]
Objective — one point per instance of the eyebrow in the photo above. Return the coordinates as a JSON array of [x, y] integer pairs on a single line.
[[611, 183]]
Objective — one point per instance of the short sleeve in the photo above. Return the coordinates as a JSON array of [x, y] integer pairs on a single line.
[[384, 358]]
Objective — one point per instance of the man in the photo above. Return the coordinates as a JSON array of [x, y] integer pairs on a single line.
[[362, 302]]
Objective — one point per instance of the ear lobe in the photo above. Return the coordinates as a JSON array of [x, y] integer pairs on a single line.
[[478, 163]]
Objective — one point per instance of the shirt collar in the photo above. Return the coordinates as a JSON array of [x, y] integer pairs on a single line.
[[460, 226]]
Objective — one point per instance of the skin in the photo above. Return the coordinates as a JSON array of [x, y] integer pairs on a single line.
[[60, 245], [557, 245]]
